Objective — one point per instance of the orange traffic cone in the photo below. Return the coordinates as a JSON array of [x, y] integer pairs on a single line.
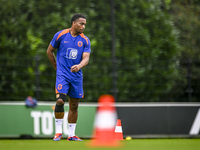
[[104, 124], [118, 130]]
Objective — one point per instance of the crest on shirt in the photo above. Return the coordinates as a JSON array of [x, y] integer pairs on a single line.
[[80, 43], [72, 53]]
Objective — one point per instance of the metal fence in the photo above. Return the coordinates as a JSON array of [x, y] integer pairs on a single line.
[[35, 76]]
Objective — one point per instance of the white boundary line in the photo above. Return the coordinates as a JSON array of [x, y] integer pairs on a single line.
[[150, 104]]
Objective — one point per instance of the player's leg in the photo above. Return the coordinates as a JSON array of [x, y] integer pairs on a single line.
[[72, 118], [61, 89], [59, 115], [75, 93]]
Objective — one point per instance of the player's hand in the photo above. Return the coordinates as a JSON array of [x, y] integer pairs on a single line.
[[75, 68]]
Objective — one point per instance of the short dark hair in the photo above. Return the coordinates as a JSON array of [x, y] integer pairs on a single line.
[[77, 16]]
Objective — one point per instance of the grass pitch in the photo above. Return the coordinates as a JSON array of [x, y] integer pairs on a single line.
[[134, 144]]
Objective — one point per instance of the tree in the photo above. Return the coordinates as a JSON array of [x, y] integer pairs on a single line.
[[186, 20], [147, 49]]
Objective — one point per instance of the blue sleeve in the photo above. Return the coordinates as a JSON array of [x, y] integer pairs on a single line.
[[87, 46], [54, 42]]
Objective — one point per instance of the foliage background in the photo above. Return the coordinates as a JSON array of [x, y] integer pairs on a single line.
[[155, 42]]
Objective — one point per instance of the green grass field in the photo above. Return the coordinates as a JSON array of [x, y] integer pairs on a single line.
[[134, 144]]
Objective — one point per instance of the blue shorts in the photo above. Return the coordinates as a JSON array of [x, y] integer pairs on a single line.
[[73, 87]]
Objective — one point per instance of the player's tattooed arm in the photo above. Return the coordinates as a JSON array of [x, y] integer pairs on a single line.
[[51, 55]]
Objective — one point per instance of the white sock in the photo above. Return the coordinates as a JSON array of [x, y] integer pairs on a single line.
[[58, 124], [72, 127]]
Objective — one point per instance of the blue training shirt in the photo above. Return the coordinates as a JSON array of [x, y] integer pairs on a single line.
[[69, 51]]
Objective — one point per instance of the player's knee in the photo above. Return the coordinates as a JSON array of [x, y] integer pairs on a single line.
[[60, 99], [59, 102]]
